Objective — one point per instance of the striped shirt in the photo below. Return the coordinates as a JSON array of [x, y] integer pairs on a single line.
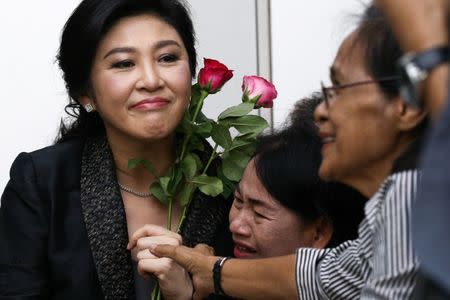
[[380, 263]]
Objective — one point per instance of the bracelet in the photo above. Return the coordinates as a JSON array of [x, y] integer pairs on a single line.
[[216, 276]]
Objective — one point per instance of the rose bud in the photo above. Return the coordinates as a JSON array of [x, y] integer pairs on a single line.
[[258, 91], [213, 76]]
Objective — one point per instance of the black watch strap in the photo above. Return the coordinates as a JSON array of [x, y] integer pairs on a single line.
[[413, 68], [431, 58], [217, 269]]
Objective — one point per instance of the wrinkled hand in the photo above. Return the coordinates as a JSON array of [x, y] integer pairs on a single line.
[[198, 261], [418, 24], [173, 279]]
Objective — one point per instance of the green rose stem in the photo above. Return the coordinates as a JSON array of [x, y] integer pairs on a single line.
[[183, 215], [211, 158], [214, 154], [169, 215], [251, 85], [203, 95], [156, 292], [156, 295]]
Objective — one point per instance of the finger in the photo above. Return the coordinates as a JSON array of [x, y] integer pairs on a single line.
[[204, 249], [145, 254], [146, 242], [151, 230], [160, 267], [181, 254]]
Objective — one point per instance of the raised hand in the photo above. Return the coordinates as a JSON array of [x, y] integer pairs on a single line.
[[197, 261], [173, 279]]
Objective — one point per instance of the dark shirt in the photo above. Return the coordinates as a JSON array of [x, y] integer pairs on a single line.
[[63, 229], [431, 219], [143, 287]]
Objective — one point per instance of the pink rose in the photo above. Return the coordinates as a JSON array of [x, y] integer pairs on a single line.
[[259, 91], [213, 76]]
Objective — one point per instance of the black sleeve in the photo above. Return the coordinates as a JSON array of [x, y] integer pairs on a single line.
[[23, 235]]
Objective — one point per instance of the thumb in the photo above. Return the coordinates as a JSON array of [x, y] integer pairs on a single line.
[[181, 254]]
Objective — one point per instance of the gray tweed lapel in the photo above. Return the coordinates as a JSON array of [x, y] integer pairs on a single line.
[[104, 215]]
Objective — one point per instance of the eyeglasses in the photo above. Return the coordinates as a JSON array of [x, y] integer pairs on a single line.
[[329, 92]]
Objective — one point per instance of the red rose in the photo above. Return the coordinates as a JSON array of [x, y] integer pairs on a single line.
[[213, 76], [259, 91]]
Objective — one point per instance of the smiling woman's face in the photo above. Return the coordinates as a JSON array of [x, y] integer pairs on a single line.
[[359, 127], [260, 225], [140, 79]]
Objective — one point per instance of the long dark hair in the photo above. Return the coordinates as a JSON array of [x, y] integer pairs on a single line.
[[81, 35], [287, 163]]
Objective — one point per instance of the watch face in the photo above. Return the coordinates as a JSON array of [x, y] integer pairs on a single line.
[[414, 73]]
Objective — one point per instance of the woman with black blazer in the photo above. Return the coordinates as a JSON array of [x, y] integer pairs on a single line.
[[69, 209]]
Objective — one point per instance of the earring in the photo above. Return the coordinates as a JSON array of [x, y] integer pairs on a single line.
[[88, 107]]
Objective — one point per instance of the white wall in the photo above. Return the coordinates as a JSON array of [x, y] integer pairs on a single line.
[[32, 94], [305, 38]]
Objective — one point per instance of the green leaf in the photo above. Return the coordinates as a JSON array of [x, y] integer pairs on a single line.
[[196, 143], [234, 164], [228, 185], [198, 161], [185, 126], [176, 179], [186, 194], [202, 118], [239, 158], [221, 135], [237, 111], [133, 163], [248, 136], [204, 128], [164, 182], [195, 96], [248, 149], [158, 192], [245, 143], [211, 186], [241, 143], [189, 166], [249, 124], [232, 171]]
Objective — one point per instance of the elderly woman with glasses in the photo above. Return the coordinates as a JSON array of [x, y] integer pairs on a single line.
[[370, 141]]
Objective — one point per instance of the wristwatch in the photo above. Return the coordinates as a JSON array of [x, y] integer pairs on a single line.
[[414, 68]]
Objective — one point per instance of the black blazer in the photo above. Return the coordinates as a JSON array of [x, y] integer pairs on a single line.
[[63, 231]]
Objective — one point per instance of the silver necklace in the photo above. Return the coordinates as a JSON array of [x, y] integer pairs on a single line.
[[133, 192]]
